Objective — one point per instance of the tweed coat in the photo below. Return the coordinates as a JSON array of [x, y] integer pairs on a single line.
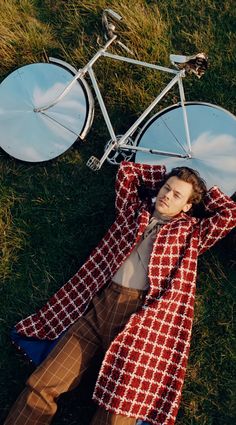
[[143, 370]]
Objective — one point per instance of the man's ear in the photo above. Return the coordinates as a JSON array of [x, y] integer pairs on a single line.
[[187, 207]]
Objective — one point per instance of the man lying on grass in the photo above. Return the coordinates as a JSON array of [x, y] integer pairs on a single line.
[[139, 284]]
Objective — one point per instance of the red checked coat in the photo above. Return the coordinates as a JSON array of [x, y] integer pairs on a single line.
[[143, 371]]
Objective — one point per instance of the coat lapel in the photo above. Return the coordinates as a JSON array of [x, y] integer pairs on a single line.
[[143, 220]]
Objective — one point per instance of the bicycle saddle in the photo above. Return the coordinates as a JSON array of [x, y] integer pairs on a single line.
[[196, 64]]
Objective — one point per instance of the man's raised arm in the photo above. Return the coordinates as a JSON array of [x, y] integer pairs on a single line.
[[130, 177], [222, 220]]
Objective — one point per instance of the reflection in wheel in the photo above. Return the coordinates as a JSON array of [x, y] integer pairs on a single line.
[[213, 140], [39, 136]]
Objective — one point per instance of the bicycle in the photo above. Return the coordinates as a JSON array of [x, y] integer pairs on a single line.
[[53, 102]]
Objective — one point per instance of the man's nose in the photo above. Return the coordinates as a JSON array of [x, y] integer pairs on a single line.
[[168, 194]]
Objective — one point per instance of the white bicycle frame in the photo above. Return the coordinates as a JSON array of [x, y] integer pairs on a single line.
[[120, 143]]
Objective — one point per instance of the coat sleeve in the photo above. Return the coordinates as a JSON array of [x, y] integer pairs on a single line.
[[130, 177], [222, 210]]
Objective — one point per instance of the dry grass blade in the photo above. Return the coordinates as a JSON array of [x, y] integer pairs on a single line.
[[23, 38]]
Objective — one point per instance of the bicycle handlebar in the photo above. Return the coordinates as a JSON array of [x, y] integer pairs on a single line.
[[113, 14], [108, 26]]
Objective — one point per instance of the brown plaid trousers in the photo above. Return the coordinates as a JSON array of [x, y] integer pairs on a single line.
[[64, 366]]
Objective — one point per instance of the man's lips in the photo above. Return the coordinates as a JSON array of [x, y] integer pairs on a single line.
[[163, 202]]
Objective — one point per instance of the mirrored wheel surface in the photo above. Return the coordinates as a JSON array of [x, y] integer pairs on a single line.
[[213, 140], [40, 136]]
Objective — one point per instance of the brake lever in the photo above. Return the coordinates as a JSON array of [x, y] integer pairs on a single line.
[[124, 47]]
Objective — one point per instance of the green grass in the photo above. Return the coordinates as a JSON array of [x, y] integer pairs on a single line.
[[53, 214]]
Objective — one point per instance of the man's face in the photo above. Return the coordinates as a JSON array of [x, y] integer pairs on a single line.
[[174, 197]]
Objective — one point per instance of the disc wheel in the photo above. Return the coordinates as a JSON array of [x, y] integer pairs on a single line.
[[40, 136], [213, 141]]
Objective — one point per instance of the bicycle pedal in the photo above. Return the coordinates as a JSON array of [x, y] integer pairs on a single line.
[[93, 163]]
